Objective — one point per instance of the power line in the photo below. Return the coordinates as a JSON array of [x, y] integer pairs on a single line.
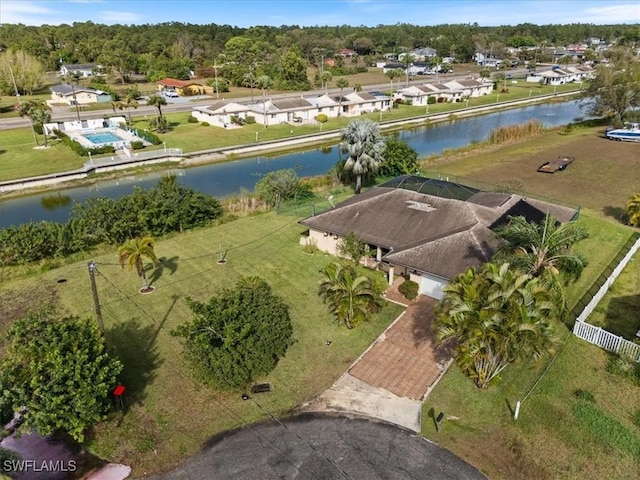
[[196, 385]]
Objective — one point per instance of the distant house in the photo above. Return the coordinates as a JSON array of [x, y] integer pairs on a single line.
[[183, 87], [453, 91], [560, 76], [415, 229], [346, 53], [392, 66], [83, 70], [471, 88], [72, 95], [293, 110], [219, 113]]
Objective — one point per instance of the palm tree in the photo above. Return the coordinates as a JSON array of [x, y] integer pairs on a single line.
[[129, 103], [393, 73], [341, 83], [493, 318], [408, 60], [157, 101], [39, 113], [132, 253], [362, 141], [544, 250], [326, 77], [633, 210], [265, 83], [350, 297], [538, 248]]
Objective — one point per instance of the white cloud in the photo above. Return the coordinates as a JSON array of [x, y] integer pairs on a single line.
[[29, 13], [117, 16]]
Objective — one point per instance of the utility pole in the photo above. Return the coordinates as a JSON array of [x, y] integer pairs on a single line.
[[94, 291]]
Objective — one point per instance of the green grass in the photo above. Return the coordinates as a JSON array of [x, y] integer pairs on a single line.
[[167, 410], [618, 311], [555, 437]]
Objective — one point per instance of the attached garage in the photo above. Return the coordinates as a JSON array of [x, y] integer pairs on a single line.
[[432, 286]]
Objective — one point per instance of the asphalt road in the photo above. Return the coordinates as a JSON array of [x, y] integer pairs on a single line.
[[323, 447], [60, 114]]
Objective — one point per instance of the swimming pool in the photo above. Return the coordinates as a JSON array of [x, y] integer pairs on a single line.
[[101, 138]]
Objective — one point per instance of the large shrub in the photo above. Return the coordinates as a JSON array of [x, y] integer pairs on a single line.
[[409, 289], [238, 335]]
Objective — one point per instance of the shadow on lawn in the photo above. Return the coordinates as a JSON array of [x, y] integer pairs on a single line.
[[617, 213], [163, 263], [134, 343], [622, 318]]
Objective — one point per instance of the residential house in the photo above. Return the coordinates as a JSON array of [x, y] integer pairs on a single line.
[[560, 76], [420, 54], [346, 53], [393, 66], [73, 94], [82, 70], [219, 113], [183, 87], [471, 87], [426, 230], [419, 68]]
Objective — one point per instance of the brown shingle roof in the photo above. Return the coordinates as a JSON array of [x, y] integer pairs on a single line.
[[427, 233]]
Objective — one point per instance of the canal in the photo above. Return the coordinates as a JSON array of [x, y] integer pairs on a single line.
[[228, 178]]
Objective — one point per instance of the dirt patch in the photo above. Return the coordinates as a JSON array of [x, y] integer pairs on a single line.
[[602, 177], [15, 304]]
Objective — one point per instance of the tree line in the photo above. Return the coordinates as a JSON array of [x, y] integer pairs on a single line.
[[282, 53]]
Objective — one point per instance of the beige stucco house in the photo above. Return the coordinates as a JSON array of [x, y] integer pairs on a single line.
[[426, 230], [73, 94]]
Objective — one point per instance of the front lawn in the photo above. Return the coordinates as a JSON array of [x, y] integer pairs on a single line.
[[168, 414]]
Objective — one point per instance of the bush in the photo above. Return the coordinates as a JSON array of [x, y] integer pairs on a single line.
[[148, 136], [432, 100], [237, 335], [192, 119], [137, 145], [322, 118], [204, 124], [409, 289], [250, 120]]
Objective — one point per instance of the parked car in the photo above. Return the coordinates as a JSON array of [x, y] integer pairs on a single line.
[[170, 93]]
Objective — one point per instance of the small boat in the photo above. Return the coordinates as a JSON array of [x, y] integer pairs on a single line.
[[629, 133]]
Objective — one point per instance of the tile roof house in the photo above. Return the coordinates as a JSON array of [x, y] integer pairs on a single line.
[[183, 87], [424, 229]]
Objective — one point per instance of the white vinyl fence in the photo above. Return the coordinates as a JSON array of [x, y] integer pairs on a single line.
[[597, 335], [607, 340]]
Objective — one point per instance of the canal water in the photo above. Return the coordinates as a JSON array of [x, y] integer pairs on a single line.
[[228, 178]]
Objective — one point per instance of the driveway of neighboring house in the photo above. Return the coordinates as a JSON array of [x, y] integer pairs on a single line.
[[393, 377]]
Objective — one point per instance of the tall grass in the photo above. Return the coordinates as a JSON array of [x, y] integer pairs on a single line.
[[516, 132]]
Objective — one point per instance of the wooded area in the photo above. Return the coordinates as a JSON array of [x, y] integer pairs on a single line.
[[281, 53]]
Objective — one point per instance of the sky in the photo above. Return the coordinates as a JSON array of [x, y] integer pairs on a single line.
[[370, 13]]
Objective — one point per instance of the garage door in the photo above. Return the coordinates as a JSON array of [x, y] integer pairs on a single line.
[[432, 286]]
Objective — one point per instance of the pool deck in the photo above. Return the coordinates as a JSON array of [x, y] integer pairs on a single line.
[[124, 137]]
